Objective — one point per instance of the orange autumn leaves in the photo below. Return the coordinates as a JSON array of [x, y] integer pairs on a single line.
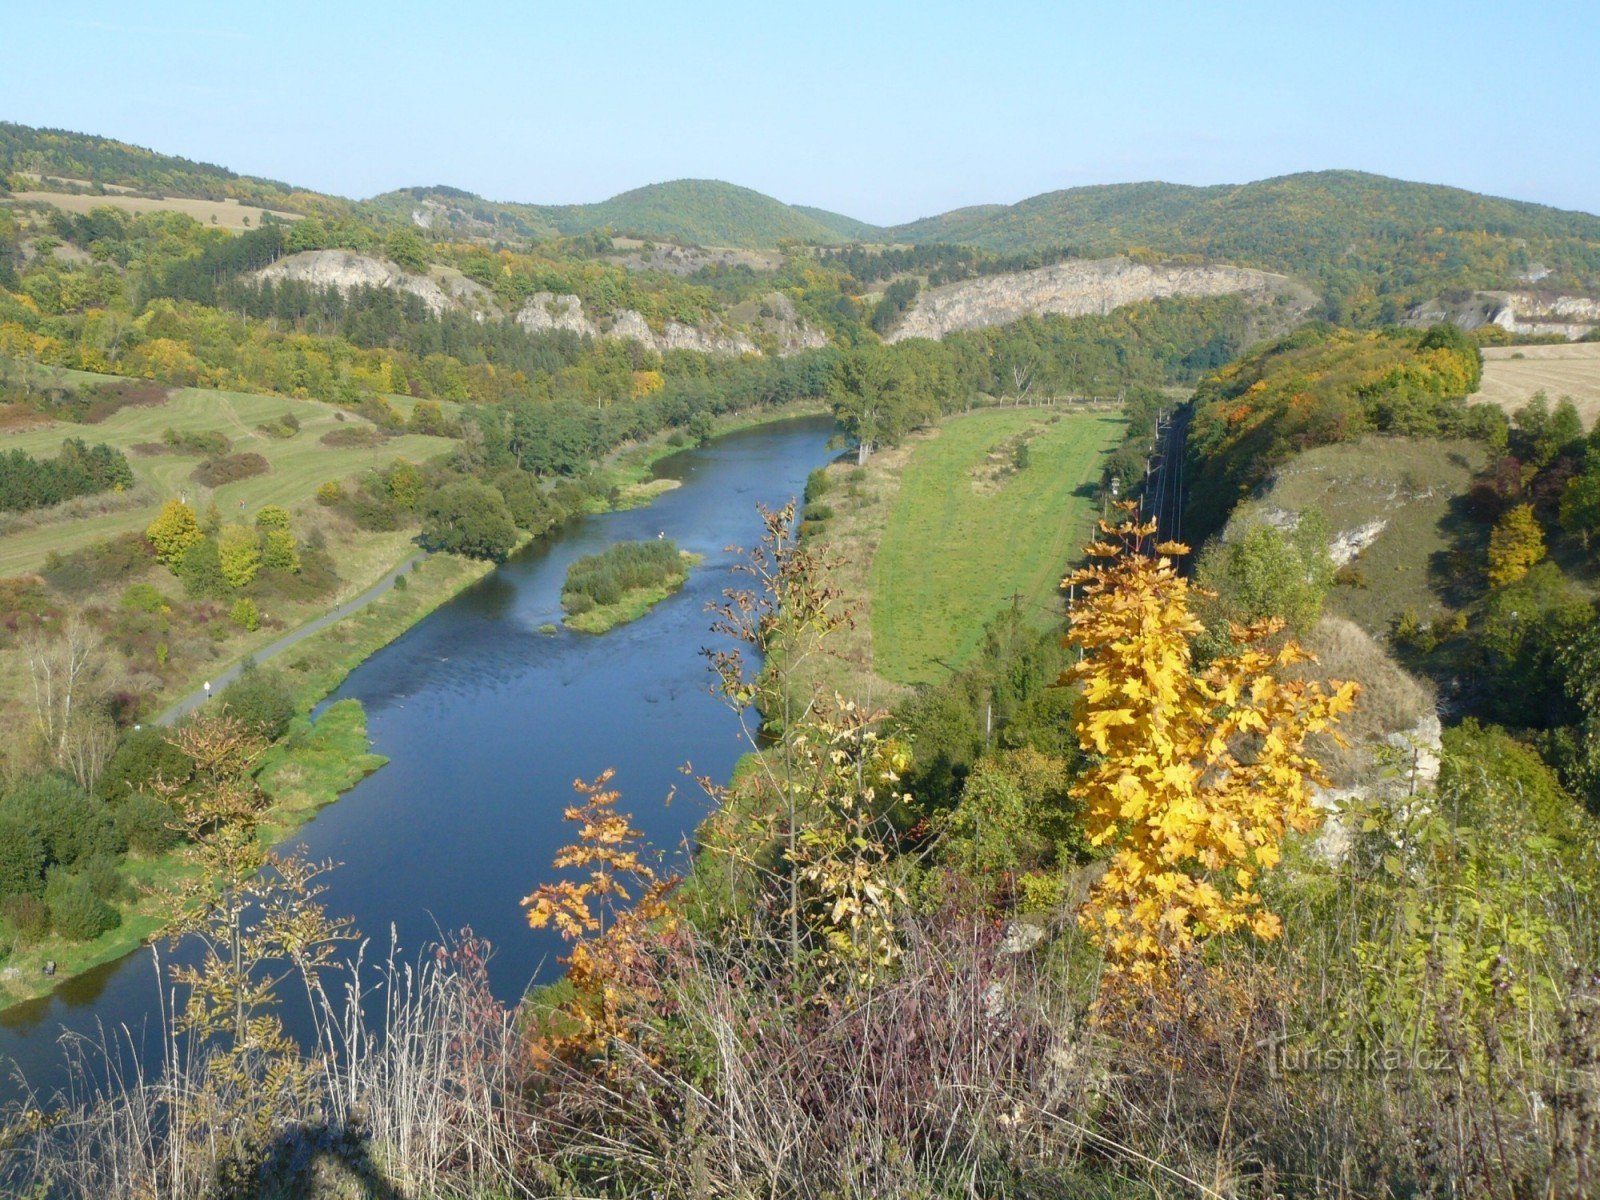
[[1196, 775]]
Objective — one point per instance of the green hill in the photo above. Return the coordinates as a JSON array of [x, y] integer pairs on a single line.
[[704, 212], [1371, 244], [701, 212]]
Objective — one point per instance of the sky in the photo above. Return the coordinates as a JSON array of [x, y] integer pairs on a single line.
[[886, 112]]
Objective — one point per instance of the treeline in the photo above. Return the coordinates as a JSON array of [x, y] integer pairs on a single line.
[[938, 263], [79, 470], [1321, 385], [882, 392]]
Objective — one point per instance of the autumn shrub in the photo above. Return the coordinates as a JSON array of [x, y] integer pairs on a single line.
[[229, 468], [29, 917], [99, 565], [354, 435], [205, 444]]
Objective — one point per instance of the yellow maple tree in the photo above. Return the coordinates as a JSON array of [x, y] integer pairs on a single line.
[[1195, 775]]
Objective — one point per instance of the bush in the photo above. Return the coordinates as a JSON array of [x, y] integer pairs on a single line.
[[352, 436], [75, 911], [103, 878], [200, 570], [230, 468], [144, 756], [246, 614], [262, 699], [596, 580], [330, 493], [99, 564], [70, 823], [818, 484], [143, 598], [22, 859], [208, 444], [29, 917], [147, 824]]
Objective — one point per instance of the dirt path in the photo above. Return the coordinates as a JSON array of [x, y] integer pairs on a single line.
[[295, 636]]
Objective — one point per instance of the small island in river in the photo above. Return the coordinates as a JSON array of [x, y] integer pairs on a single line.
[[622, 583]]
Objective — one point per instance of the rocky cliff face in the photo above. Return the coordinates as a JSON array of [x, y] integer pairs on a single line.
[[347, 271], [1571, 317], [1082, 287], [444, 291], [547, 310]]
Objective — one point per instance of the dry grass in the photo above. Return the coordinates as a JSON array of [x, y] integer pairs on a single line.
[[225, 214], [1391, 701], [1512, 374]]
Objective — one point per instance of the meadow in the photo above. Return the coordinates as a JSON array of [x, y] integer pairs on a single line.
[[298, 463], [969, 531]]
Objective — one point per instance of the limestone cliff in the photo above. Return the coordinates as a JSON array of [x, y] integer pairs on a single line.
[[1527, 312], [1083, 287], [441, 292], [547, 310]]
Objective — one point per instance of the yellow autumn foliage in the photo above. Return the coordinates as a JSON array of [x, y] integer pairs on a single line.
[[1196, 775]]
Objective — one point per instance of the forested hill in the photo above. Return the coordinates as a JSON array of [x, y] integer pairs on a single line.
[[60, 154], [1371, 244], [701, 212]]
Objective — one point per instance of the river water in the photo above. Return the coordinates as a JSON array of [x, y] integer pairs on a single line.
[[487, 722]]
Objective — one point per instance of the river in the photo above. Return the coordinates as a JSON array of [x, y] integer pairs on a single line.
[[486, 722]]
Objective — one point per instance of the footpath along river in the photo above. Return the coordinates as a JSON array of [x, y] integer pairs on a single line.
[[486, 722]]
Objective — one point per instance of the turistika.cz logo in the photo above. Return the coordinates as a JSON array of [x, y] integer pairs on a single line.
[[1289, 1059]]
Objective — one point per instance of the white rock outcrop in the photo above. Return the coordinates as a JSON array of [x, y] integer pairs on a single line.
[[545, 311], [346, 270], [1080, 288]]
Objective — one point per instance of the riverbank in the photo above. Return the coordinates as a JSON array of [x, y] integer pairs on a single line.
[[306, 770], [318, 761]]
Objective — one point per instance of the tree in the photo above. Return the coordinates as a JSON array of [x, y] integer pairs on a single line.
[[173, 531], [69, 672], [1580, 505], [1196, 775], [1270, 573], [470, 519], [873, 397], [279, 552], [239, 554], [1515, 545], [272, 516]]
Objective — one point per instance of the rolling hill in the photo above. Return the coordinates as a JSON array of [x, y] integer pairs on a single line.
[[1361, 238]]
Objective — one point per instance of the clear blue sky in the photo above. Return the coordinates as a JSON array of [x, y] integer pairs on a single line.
[[883, 111]]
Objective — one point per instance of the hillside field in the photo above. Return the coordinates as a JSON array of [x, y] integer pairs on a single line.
[[1512, 374], [225, 214], [298, 463], [966, 532]]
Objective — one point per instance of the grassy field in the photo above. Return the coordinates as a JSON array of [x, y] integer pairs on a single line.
[[1512, 374], [966, 534], [225, 214], [1412, 484], [298, 463]]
